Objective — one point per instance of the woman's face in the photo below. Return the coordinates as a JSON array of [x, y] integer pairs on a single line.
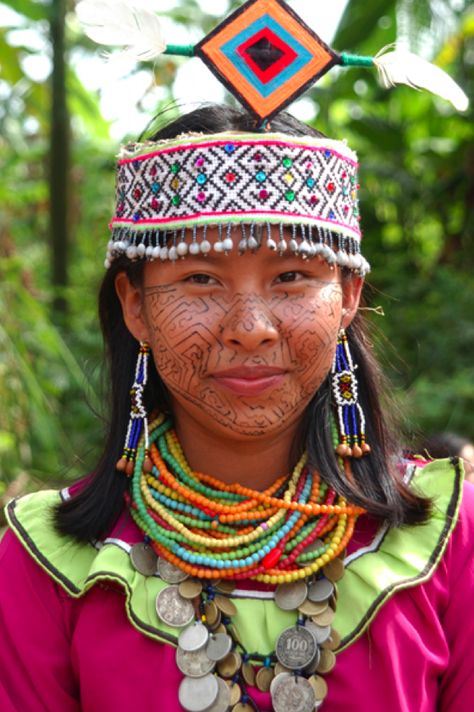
[[242, 342]]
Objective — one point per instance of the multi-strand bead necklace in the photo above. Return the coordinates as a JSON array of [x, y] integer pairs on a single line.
[[210, 535]]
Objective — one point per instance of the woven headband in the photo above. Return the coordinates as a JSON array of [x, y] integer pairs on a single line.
[[243, 184]]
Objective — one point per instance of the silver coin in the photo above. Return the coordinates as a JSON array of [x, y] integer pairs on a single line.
[[143, 558], [311, 608], [195, 663], [170, 573], [223, 698], [277, 679], [225, 586], [292, 693], [319, 686], [320, 590], [194, 637], [312, 667], [198, 694], [334, 570], [296, 648], [215, 627], [324, 618], [219, 646], [321, 633], [327, 662], [289, 596], [279, 668], [173, 609], [225, 605], [190, 588]]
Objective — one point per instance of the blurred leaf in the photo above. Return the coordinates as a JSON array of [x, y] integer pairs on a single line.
[[366, 27], [29, 9], [10, 67], [84, 106]]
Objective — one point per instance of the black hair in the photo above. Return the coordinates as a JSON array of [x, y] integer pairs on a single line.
[[376, 483]]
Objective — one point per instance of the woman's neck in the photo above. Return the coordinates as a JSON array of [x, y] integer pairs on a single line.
[[252, 463]]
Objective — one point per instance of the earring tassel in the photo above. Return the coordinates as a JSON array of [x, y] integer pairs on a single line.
[[138, 422], [350, 416]]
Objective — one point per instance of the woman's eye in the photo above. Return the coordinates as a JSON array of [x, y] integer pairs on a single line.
[[201, 279], [289, 277]]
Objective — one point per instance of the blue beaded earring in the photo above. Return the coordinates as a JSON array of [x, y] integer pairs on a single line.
[[138, 421], [350, 416]]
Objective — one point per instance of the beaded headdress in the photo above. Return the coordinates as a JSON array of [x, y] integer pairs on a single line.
[[242, 184], [266, 56]]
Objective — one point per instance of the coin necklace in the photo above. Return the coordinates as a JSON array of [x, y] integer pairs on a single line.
[[218, 670], [205, 535]]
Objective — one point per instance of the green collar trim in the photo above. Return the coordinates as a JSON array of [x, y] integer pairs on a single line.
[[77, 567], [396, 559], [400, 558]]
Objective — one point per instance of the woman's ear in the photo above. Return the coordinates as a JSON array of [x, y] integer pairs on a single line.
[[132, 307], [351, 291]]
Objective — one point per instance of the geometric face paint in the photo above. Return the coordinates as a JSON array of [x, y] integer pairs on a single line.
[[243, 342]]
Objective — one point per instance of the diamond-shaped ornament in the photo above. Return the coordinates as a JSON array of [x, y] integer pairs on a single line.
[[266, 56]]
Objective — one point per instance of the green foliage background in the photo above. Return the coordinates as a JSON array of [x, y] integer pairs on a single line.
[[417, 192]]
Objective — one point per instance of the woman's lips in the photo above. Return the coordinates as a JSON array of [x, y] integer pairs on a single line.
[[250, 381]]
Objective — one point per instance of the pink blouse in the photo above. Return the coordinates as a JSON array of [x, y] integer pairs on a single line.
[[59, 654]]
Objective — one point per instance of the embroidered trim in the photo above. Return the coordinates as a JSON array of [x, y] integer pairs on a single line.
[[382, 532], [449, 518], [40, 558], [97, 577], [169, 189]]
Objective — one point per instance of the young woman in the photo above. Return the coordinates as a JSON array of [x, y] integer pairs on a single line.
[[257, 544]]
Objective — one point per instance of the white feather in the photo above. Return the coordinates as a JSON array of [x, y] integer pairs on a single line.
[[403, 67], [131, 24]]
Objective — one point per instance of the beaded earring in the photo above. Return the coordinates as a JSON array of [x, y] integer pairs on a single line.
[[138, 421], [350, 416]]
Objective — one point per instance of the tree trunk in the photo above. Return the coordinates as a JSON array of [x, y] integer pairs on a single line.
[[59, 158]]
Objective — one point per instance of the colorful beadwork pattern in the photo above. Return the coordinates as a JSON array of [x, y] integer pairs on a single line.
[[138, 423], [266, 56], [212, 530], [350, 416], [237, 179]]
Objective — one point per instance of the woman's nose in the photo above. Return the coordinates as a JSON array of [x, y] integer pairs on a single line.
[[249, 324]]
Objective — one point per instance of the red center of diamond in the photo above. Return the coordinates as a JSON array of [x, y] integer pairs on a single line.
[[266, 54], [230, 177]]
